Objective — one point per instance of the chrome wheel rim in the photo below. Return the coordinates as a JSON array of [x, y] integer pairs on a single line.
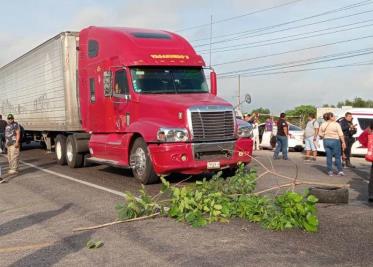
[[69, 152], [59, 150], [138, 161]]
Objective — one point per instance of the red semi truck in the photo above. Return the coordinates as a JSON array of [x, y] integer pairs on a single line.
[[126, 97]]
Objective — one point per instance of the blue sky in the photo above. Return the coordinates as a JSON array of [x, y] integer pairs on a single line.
[[25, 24]]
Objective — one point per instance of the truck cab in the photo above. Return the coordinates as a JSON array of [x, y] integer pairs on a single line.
[[146, 104]]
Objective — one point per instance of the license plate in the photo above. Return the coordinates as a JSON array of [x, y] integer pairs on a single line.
[[213, 165]]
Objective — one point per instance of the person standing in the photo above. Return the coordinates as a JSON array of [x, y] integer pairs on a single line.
[[3, 124], [282, 138], [268, 127], [256, 134], [332, 135], [363, 139], [246, 117], [348, 130], [311, 133], [12, 142]]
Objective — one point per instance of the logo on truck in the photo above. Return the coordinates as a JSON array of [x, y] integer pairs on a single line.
[[161, 56]]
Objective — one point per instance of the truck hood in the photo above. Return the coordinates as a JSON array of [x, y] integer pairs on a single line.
[[183, 101], [155, 111]]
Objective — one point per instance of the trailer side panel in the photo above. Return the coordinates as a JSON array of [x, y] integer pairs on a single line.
[[39, 88]]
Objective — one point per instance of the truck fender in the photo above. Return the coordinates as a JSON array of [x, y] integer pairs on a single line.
[[81, 142]]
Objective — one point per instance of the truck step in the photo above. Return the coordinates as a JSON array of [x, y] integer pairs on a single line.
[[107, 162]]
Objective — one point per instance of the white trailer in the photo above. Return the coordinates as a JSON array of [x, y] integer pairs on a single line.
[[40, 87]]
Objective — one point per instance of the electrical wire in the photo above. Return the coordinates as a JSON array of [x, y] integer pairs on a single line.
[[240, 16], [325, 58], [250, 73], [291, 51], [249, 45], [249, 35], [343, 8]]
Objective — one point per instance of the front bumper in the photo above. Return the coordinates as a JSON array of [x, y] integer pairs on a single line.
[[179, 157]]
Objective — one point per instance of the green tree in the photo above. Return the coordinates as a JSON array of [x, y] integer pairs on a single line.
[[302, 110], [357, 102], [300, 113], [261, 110]]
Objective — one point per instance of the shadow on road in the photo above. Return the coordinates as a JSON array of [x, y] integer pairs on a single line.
[[29, 220], [27, 170], [51, 255]]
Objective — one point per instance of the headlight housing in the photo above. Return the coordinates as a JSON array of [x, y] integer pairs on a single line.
[[172, 135], [245, 130]]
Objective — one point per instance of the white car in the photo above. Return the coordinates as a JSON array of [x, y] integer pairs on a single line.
[[268, 139], [362, 117]]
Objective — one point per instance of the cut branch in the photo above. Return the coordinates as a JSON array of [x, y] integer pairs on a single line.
[[116, 222]]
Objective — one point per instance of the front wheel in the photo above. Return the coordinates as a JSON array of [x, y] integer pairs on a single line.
[[141, 164]]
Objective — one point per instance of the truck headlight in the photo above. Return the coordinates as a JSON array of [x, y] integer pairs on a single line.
[[172, 135], [245, 130]]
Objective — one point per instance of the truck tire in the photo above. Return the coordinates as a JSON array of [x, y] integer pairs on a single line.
[[141, 164], [229, 172], [327, 194], [60, 149], [73, 158]]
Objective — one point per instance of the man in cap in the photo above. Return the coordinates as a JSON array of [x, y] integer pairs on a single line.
[[3, 124], [12, 142]]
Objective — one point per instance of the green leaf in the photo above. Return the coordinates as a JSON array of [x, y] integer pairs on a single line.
[[99, 244], [218, 206], [309, 227], [91, 244], [312, 199], [312, 219]]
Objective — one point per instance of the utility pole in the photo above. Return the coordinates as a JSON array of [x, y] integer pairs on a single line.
[[239, 91], [210, 37]]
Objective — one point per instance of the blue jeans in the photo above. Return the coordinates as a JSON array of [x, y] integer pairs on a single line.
[[333, 149], [281, 146], [2, 141]]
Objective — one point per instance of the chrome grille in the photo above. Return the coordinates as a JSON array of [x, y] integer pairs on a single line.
[[212, 123]]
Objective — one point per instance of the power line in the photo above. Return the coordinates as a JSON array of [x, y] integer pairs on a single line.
[[313, 61], [248, 45], [343, 8], [362, 63], [292, 51], [291, 35], [316, 60], [286, 29], [239, 16], [370, 63]]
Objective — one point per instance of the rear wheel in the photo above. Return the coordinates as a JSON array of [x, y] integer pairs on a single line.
[[73, 158], [141, 164], [60, 149]]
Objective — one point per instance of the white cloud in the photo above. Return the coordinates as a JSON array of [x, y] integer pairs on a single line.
[[13, 46]]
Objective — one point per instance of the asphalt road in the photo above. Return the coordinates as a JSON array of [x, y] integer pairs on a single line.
[[40, 207]]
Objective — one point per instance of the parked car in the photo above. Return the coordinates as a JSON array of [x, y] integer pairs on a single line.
[[268, 139], [362, 117]]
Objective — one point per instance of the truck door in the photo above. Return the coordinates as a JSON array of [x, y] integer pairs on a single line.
[[117, 144]]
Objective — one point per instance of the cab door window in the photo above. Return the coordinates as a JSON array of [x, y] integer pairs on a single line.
[[121, 84], [92, 91]]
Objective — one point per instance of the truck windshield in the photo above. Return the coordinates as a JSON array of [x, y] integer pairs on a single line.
[[150, 80]]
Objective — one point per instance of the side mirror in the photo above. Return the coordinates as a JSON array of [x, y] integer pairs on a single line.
[[248, 98], [108, 85], [213, 81]]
